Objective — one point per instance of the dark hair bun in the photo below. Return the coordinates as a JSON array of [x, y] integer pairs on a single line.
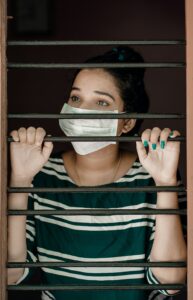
[[122, 54], [126, 54]]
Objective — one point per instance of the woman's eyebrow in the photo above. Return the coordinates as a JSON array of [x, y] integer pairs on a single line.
[[97, 92], [106, 94], [75, 88]]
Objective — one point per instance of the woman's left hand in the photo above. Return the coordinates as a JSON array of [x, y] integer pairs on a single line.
[[159, 156]]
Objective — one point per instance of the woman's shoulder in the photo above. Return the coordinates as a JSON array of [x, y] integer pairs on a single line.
[[53, 168], [56, 157], [132, 170], [55, 161], [131, 162]]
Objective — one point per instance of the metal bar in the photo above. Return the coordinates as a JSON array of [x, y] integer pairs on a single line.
[[99, 138], [180, 264], [96, 116], [3, 151], [95, 287], [98, 212], [94, 43], [93, 65], [144, 189], [189, 148]]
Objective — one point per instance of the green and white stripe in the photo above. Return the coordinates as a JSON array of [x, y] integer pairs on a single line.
[[91, 238]]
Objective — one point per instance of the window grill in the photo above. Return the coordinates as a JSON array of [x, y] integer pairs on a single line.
[[94, 189]]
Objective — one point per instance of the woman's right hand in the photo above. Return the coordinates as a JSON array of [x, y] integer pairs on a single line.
[[28, 155]]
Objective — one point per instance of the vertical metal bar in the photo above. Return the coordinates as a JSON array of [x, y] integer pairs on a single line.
[[189, 97], [3, 148]]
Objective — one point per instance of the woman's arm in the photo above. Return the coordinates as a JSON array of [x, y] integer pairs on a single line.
[[17, 250], [160, 158], [169, 243], [28, 155]]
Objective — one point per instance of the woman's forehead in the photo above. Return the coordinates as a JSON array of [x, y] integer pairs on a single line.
[[95, 78]]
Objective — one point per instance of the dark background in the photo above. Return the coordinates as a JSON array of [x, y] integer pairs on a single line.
[[44, 91]]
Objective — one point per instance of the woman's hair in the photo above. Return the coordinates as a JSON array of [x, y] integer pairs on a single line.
[[130, 81]]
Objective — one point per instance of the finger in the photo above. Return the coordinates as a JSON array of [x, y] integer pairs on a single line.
[[39, 137], [174, 133], [31, 133], [146, 137], [164, 137], [155, 134], [141, 151], [14, 135], [47, 149], [22, 134]]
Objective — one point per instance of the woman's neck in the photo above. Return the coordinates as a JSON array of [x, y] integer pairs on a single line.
[[95, 169], [98, 161]]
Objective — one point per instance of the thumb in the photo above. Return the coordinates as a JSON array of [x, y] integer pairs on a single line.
[[47, 149], [141, 151]]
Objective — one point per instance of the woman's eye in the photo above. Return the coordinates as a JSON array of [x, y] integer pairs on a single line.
[[74, 98], [104, 103]]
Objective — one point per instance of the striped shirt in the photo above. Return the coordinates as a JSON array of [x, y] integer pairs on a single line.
[[91, 238]]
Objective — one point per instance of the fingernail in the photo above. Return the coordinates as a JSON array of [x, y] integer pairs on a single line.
[[171, 133], [162, 144], [153, 146], [145, 143]]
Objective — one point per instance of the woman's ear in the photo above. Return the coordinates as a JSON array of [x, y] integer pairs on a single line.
[[129, 124]]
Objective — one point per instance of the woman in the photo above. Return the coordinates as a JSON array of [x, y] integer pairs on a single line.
[[133, 238]]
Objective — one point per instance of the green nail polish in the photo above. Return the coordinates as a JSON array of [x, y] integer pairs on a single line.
[[171, 133], [145, 143], [162, 144], [153, 146]]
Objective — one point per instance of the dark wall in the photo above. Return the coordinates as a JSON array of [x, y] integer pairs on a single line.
[[44, 91]]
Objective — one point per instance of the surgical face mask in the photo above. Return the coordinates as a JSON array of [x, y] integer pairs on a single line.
[[88, 127]]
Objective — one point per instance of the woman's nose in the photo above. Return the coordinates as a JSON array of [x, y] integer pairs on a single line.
[[85, 106]]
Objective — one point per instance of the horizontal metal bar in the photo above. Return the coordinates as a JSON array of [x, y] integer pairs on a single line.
[[179, 264], [93, 65], [89, 189], [68, 287], [96, 116], [94, 43], [98, 212], [98, 138]]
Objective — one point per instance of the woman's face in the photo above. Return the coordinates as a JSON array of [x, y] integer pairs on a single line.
[[96, 89]]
